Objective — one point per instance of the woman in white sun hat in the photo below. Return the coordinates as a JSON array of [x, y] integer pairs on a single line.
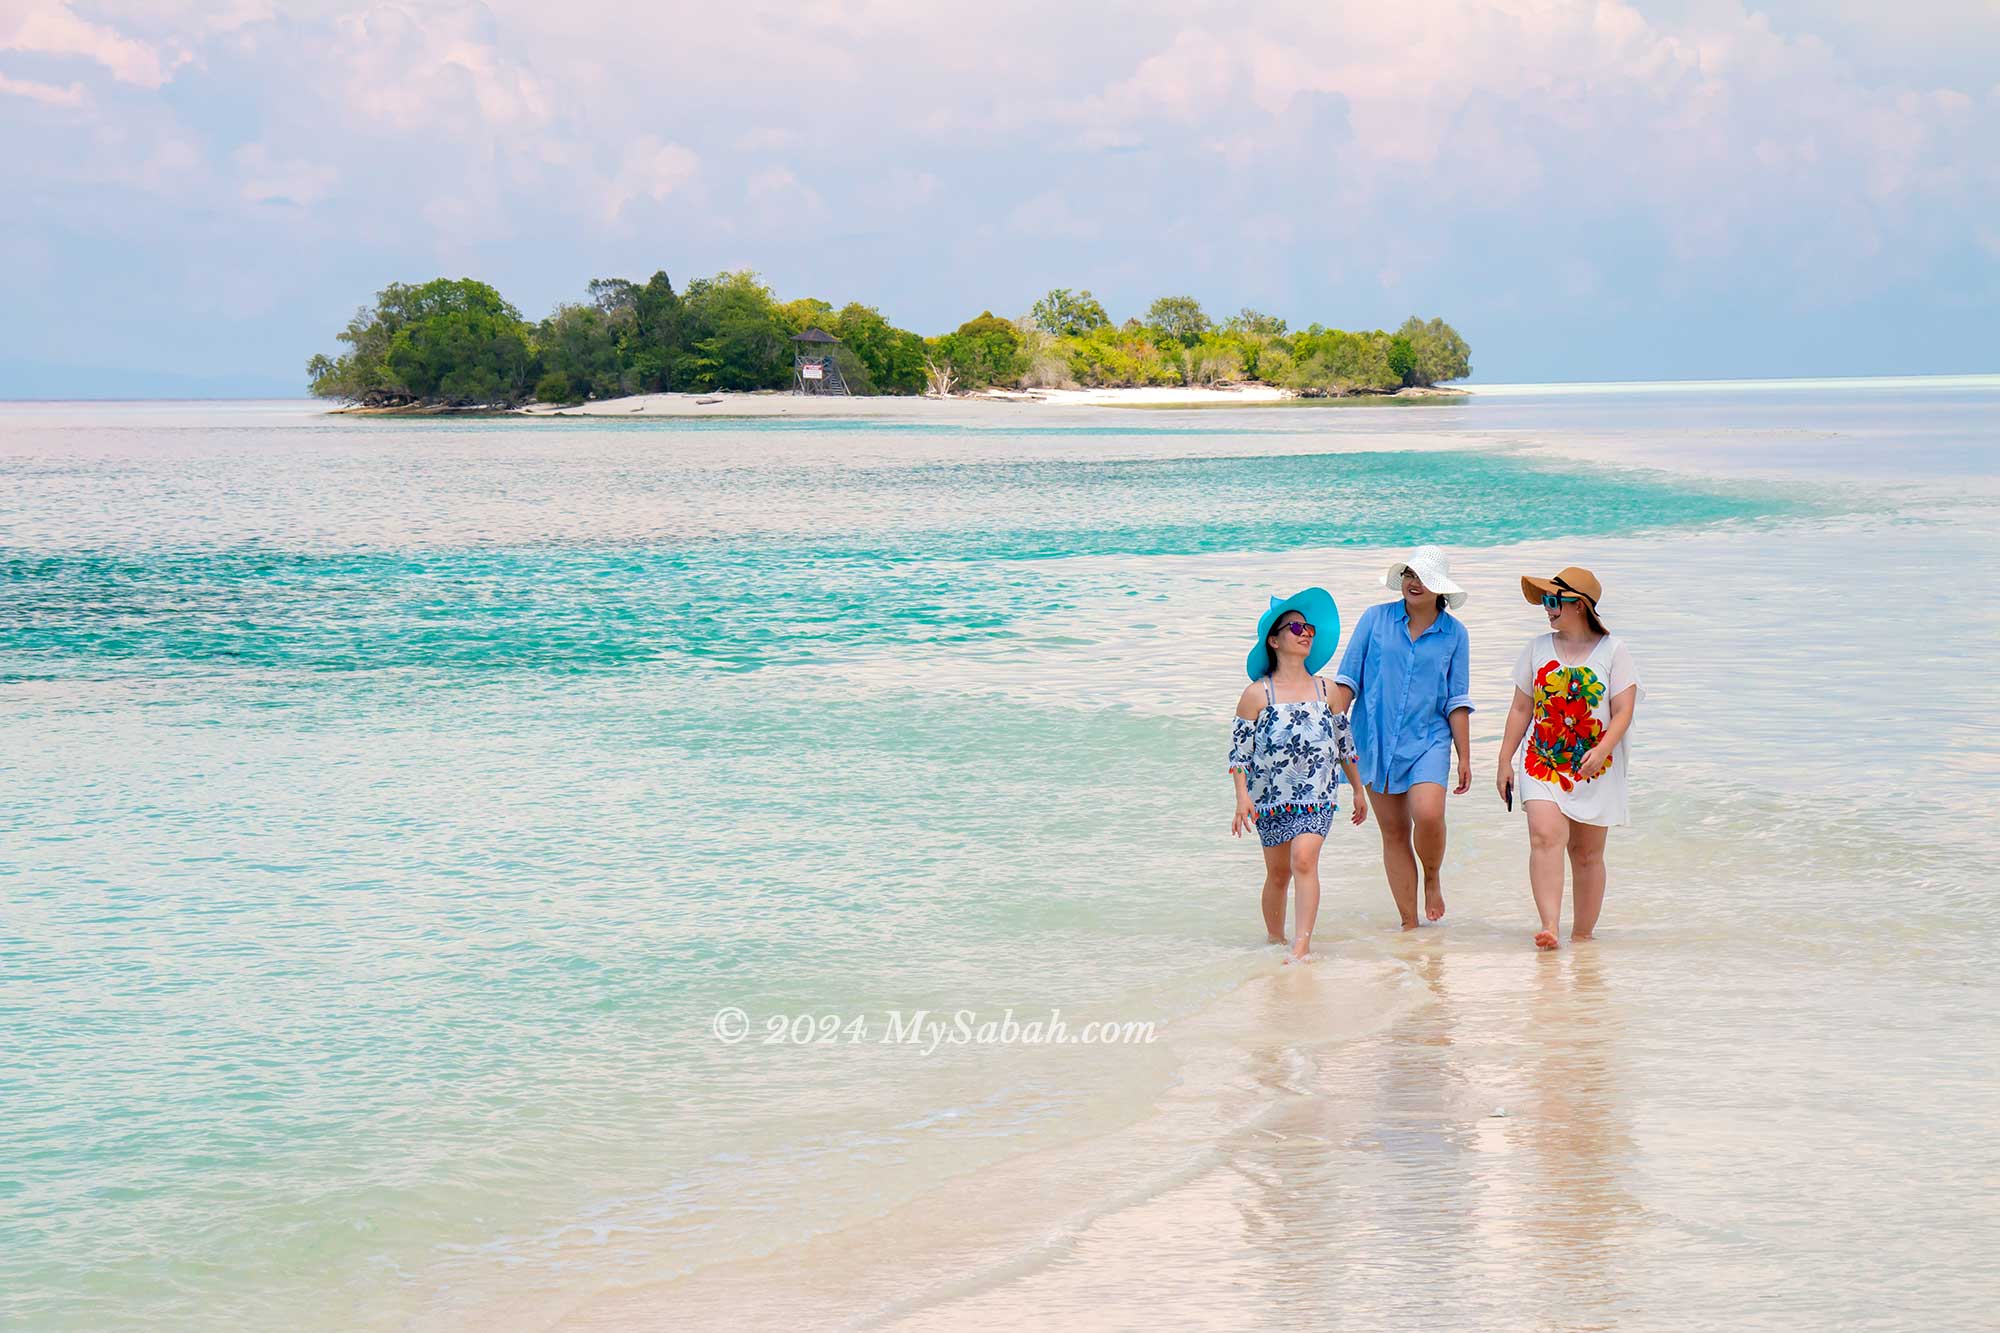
[[1405, 682]]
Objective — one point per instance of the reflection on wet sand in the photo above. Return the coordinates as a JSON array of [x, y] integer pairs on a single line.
[[1576, 1135], [1463, 1167]]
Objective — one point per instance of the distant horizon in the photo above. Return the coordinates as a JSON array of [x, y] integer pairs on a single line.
[[1474, 384]]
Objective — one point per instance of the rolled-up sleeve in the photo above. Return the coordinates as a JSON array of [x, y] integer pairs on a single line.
[[1458, 680], [1354, 662], [1242, 736]]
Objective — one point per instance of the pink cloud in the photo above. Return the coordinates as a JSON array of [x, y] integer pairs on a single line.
[[49, 28], [46, 93]]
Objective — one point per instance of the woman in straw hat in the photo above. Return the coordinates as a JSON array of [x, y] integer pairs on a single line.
[[1575, 691], [1283, 747], [1405, 678]]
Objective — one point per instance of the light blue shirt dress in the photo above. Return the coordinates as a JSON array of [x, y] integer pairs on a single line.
[[1404, 695]]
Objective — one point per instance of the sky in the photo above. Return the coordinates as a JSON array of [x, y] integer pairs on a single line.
[[199, 194]]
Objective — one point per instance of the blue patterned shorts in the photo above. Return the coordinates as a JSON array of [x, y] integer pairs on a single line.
[[1279, 827]]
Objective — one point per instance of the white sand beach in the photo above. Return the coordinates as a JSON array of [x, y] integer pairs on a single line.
[[780, 404]]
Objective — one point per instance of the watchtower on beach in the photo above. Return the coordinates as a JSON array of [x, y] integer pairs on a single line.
[[813, 368]]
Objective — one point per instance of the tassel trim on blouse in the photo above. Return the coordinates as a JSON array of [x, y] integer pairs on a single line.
[[1297, 808]]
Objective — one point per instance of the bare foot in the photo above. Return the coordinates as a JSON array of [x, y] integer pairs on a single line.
[[1410, 924], [1275, 939], [1433, 900], [1545, 939], [1302, 953], [1574, 937]]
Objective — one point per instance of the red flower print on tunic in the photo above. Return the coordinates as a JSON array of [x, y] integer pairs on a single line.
[[1564, 729]]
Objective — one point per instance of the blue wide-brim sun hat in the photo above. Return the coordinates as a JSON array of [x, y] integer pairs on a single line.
[[1316, 605]]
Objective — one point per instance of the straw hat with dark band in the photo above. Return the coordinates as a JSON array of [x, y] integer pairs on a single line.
[[1576, 581]]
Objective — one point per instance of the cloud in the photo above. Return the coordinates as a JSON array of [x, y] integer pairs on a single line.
[[651, 170], [268, 179], [50, 29], [1325, 159], [776, 198], [46, 93], [1048, 214], [442, 70]]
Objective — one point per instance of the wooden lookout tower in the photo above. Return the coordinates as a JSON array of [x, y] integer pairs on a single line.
[[813, 368]]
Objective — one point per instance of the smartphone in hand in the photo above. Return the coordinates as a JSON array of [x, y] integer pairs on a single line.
[[1510, 796]]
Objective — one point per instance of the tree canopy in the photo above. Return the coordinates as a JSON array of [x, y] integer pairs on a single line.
[[456, 342], [1066, 313], [1179, 318]]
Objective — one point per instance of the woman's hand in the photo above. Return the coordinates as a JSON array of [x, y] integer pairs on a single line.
[[1503, 782], [1464, 776], [1246, 817], [1593, 762], [1360, 816]]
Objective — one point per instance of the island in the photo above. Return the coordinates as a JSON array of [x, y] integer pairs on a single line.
[[455, 344]]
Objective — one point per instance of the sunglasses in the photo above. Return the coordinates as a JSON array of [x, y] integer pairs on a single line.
[[1550, 601], [1300, 629]]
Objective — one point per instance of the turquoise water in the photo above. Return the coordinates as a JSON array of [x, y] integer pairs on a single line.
[[390, 806], [883, 557]]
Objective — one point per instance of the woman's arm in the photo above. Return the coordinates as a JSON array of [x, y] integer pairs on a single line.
[[1360, 792], [1510, 740], [1458, 707], [1461, 741], [1242, 738], [1353, 670], [1622, 706]]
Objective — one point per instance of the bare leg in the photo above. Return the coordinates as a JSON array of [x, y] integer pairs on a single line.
[[1427, 816], [1548, 834], [1586, 873], [1305, 879], [1392, 816], [1277, 878]]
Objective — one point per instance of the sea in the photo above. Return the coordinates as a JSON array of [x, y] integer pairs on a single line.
[[580, 873]]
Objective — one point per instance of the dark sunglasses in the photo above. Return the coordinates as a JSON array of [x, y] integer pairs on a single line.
[[1550, 601], [1300, 629]]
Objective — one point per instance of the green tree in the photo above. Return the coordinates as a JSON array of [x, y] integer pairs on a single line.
[[981, 352], [457, 342], [1118, 357], [654, 349], [615, 295], [362, 373], [1256, 323], [893, 358], [1333, 361], [584, 347], [1066, 313], [1440, 354], [1403, 359], [807, 312], [1179, 318], [450, 341], [736, 337]]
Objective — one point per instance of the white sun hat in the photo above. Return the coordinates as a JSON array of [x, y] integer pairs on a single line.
[[1430, 566]]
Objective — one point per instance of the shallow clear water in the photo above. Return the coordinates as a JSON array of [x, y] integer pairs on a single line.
[[390, 806]]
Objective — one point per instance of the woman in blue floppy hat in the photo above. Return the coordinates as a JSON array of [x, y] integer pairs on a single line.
[[1282, 752]]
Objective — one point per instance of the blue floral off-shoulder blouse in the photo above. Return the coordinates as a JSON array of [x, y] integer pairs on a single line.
[[1290, 755]]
